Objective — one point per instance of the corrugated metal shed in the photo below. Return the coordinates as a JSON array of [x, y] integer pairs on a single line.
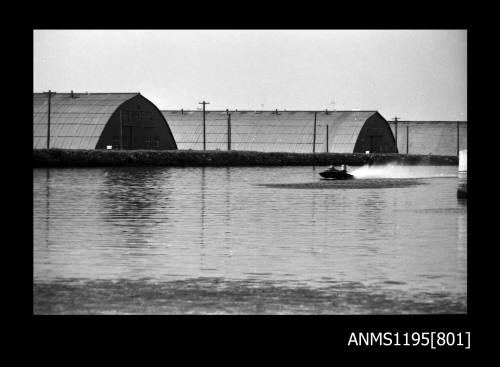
[[268, 131], [75, 122]]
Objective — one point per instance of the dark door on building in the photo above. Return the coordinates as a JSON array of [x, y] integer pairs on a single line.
[[127, 137], [375, 143]]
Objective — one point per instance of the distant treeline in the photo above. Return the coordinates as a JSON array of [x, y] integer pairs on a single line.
[[196, 158]]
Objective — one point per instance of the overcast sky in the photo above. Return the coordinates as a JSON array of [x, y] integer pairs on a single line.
[[415, 75]]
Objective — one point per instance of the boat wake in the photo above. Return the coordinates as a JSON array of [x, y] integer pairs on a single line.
[[397, 171]]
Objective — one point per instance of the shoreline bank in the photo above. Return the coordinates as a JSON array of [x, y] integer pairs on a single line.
[[196, 158], [216, 295]]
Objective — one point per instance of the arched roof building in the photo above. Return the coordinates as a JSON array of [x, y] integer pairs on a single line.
[[283, 131], [99, 120]]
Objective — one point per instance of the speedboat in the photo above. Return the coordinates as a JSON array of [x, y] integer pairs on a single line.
[[336, 174]]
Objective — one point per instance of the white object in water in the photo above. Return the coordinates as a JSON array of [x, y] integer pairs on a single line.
[[367, 152], [462, 161], [109, 147]]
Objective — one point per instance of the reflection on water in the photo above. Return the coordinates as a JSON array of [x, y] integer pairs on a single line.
[[403, 239]]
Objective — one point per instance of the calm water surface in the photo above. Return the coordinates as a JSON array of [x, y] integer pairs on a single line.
[[403, 236]]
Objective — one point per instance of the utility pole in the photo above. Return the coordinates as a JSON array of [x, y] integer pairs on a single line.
[[396, 129], [229, 132], [48, 121], [458, 138], [204, 128], [314, 133]]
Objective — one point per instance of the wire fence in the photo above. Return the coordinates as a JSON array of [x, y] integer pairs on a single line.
[[439, 138]]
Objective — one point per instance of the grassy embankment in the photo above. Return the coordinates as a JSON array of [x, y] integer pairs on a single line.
[[192, 158]]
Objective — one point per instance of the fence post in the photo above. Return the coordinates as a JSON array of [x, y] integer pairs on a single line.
[[121, 131], [327, 138], [48, 123], [229, 132], [407, 138], [314, 133]]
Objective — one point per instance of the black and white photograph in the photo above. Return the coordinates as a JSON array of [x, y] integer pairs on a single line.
[[250, 172]]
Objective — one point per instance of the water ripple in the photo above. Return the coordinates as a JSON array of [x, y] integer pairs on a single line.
[[264, 224]]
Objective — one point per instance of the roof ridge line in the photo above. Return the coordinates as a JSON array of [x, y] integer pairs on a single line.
[[85, 93], [270, 110]]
